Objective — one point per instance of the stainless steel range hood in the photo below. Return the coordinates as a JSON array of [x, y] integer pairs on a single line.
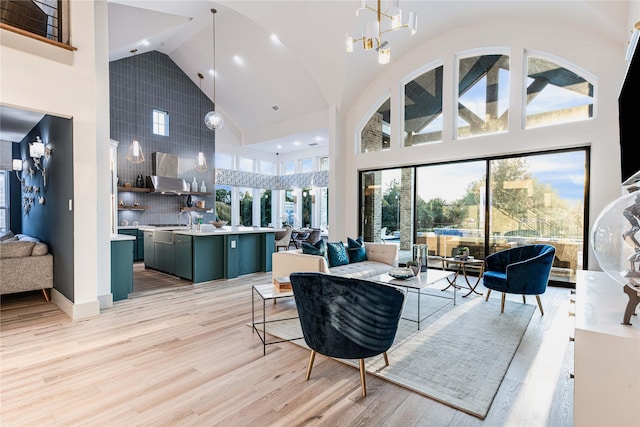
[[165, 175], [167, 185]]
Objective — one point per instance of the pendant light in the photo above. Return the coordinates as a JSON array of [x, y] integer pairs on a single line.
[[213, 119], [134, 154], [201, 161]]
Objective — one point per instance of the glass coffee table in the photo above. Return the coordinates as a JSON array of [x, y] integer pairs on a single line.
[[418, 283], [267, 292]]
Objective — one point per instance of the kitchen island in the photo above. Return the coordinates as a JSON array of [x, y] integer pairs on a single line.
[[208, 253]]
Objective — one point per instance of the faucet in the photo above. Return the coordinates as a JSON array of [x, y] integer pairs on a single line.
[[190, 224]]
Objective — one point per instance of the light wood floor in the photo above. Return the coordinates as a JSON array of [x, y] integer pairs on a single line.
[[177, 354]]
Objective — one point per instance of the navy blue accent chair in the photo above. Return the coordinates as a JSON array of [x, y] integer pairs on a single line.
[[521, 270], [347, 318]]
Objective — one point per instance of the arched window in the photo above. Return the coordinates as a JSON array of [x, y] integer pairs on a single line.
[[423, 108], [555, 94], [376, 134]]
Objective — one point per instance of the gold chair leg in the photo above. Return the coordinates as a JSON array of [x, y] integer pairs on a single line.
[[488, 293], [502, 306], [386, 358], [46, 295], [524, 299], [540, 305], [363, 381], [311, 358]]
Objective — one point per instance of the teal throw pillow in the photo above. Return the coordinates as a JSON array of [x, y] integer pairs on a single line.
[[317, 248], [356, 249], [337, 254]]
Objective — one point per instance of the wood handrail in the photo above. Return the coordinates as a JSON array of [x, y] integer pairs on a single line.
[[36, 37]]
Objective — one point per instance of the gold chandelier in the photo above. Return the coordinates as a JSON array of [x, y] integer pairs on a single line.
[[372, 38]]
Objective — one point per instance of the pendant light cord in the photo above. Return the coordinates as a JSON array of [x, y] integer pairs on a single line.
[[213, 12]]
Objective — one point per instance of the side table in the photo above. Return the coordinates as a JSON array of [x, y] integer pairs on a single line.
[[462, 265], [267, 292]]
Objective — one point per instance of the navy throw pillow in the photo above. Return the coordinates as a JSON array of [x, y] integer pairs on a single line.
[[337, 254], [356, 249], [317, 248]]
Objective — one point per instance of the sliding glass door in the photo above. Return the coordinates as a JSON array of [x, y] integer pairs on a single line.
[[486, 205]]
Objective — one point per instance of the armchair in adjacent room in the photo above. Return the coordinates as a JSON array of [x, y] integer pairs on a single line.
[[283, 238], [346, 318], [521, 270]]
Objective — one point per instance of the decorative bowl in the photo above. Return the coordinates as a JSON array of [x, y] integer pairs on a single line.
[[401, 273], [218, 224]]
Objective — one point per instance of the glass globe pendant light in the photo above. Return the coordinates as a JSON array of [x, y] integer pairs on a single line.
[[213, 120]]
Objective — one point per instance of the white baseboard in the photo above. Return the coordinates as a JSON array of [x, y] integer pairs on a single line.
[[75, 311]]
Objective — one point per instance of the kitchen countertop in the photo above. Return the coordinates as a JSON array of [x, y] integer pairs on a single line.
[[205, 229], [119, 237]]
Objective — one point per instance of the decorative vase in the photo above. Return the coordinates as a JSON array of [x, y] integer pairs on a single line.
[[203, 188], [140, 181], [189, 201], [194, 185]]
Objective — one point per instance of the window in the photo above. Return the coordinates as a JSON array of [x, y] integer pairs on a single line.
[[483, 95], [160, 123], [376, 134], [289, 167], [555, 94], [324, 163], [4, 201], [245, 164], [224, 161], [306, 165], [307, 207], [267, 168], [246, 206], [486, 205], [265, 208], [223, 202], [423, 108]]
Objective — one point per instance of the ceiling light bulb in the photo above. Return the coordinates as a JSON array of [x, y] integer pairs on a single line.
[[349, 43], [384, 54], [213, 120], [396, 17]]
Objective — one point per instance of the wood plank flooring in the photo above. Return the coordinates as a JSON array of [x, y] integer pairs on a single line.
[[181, 354]]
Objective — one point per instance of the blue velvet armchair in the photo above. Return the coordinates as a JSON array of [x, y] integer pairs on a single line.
[[521, 270], [346, 318]]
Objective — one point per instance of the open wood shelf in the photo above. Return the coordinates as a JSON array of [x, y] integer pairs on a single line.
[[133, 208], [134, 189]]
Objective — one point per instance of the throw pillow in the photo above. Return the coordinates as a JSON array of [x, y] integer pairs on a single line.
[[337, 254], [317, 248], [6, 235], [357, 252]]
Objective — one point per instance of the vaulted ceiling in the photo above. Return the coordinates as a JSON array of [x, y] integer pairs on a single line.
[[282, 91]]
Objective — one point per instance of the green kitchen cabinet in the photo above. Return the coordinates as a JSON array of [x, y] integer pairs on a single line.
[[184, 257], [138, 244], [149, 250], [121, 269]]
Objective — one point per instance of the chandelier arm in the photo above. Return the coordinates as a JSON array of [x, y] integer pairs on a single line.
[[394, 29]]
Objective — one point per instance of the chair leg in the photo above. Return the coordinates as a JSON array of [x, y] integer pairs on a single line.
[[540, 305], [488, 293], [363, 381], [310, 365], [46, 295], [524, 299], [386, 358], [502, 305]]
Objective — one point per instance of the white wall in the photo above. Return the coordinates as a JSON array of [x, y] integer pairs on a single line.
[[603, 59], [45, 78]]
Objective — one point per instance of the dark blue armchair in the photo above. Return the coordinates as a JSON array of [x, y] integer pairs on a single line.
[[346, 318], [521, 270]]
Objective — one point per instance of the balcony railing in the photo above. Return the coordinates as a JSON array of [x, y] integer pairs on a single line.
[[41, 19]]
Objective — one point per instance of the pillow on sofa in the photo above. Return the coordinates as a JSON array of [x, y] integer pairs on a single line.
[[337, 254], [40, 249], [6, 235], [16, 249], [317, 248], [357, 252]]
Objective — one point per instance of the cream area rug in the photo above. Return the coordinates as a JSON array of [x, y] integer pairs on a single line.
[[459, 356]]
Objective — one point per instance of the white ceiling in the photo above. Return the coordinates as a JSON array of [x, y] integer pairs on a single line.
[[308, 72]]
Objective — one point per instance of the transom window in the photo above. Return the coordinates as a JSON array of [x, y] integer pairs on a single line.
[[160, 123]]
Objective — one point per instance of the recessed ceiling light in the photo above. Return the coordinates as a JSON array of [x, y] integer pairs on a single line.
[[145, 42], [275, 39], [238, 60], [212, 73], [317, 138], [296, 143], [278, 146]]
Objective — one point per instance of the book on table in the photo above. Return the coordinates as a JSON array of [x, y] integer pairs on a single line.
[[282, 283]]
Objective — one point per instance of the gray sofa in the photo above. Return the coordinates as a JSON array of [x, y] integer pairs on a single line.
[[25, 265], [380, 259]]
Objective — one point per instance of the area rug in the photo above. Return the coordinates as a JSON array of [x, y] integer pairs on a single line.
[[459, 356]]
